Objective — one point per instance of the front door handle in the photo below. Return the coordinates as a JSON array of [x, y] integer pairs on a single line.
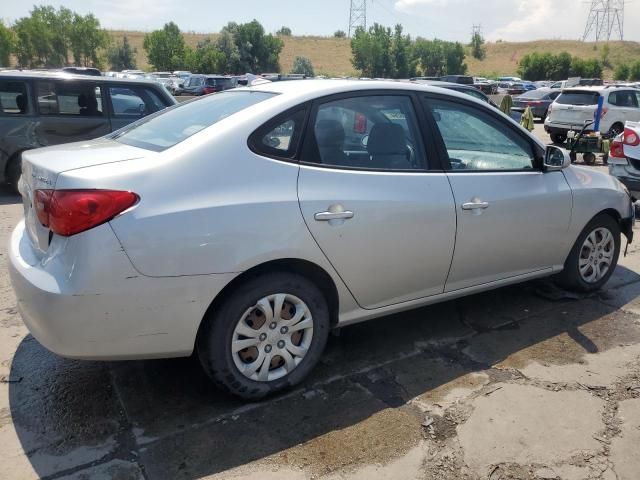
[[327, 216], [475, 205]]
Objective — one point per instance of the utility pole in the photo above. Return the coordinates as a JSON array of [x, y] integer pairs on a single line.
[[606, 20], [357, 15]]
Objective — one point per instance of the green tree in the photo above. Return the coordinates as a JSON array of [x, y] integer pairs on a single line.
[[284, 32], [371, 51], [477, 46], [404, 63], [165, 48], [7, 44], [87, 40], [622, 72], [303, 66], [208, 58], [226, 44], [604, 55], [634, 71], [43, 37], [430, 56], [122, 56], [340, 34], [258, 52], [454, 58]]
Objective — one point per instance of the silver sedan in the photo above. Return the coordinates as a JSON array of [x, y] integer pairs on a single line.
[[248, 224]]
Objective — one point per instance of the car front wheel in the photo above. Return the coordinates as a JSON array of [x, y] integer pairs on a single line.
[[266, 336], [558, 137], [593, 257]]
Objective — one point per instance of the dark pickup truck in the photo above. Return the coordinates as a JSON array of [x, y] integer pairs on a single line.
[[39, 109]]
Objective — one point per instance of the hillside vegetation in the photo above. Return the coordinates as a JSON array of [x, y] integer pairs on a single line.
[[332, 56]]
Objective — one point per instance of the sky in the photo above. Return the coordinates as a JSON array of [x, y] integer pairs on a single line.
[[509, 20]]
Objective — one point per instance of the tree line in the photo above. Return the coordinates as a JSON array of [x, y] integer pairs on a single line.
[[381, 52], [549, 66]]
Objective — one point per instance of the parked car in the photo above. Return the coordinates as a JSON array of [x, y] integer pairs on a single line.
[[624, 158], [458, 87], [38, 109], [244, 227], [529, 86], [511, 88], [462, 79], [575, 106], [198, 85], [94, 72], [539, 101], [510, 79]]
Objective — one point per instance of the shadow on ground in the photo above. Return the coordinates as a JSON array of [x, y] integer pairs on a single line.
[[165, 418]]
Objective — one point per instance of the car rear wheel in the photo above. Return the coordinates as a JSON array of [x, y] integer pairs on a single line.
[[616, 129], [593, 257], [266, 336], [558, 137], [589, 158]]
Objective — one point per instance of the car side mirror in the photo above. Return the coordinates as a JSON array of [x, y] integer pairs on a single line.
[[556, 158]]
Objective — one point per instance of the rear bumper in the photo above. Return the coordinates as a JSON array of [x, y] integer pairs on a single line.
[[99, 307]]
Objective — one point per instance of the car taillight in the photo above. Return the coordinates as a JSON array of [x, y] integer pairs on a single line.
[[549, 109], [534, 103], [631, 138], [616, 149], [67, 212]]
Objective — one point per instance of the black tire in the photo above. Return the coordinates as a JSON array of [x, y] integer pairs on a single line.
[[14, 171], [558, 137], [605, 159], [570, 277], [573, 156], [589, 158], [215, 337]]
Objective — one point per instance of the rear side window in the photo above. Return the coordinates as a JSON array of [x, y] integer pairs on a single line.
[[134, 101], [572, 97], [14, 99], [69, 98], [625, 98], [160, 132]]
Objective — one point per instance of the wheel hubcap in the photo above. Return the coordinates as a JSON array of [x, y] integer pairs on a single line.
[[596, 255], [272, 337]]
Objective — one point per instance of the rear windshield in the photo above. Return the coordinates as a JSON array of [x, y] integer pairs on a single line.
[[534, 94], [574, 97], [159, 132]]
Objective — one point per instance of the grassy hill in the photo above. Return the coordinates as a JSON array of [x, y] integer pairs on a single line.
[[332, 56]]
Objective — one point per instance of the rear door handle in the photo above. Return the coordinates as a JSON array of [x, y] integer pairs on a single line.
[[327, 216], [475, 205]]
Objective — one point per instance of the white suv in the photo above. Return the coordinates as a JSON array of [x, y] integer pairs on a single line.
[[578, 105]]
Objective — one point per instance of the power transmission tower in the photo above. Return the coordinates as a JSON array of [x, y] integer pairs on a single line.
[[357, 15], [606, 20]]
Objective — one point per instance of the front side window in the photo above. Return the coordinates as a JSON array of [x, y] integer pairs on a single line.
[[476, 140], [160, 132], [69, 98], [371, 132], [14, 99]]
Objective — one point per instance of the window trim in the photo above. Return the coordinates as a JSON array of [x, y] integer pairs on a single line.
[[256, 146], [423, 137], [538, 153]]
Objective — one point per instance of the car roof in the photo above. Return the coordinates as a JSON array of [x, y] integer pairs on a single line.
[[23, 75], [322, 87]]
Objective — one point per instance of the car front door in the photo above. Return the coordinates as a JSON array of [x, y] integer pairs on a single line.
[[373, 200], [70, 111], [512, 216]]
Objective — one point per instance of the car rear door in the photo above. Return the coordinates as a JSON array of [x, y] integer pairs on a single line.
[[512, 217], [70, 111], [374, 199]]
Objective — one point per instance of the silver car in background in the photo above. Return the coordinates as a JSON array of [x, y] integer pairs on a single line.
[[248, 224]]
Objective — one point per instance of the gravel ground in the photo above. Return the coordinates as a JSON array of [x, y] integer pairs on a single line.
[[524, 382]]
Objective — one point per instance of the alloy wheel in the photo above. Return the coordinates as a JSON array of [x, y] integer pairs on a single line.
[[596, 255]]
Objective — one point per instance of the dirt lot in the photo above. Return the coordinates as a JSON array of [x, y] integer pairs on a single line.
[[524, 382]]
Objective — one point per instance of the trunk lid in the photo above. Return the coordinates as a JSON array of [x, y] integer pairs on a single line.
[[41, 168]]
